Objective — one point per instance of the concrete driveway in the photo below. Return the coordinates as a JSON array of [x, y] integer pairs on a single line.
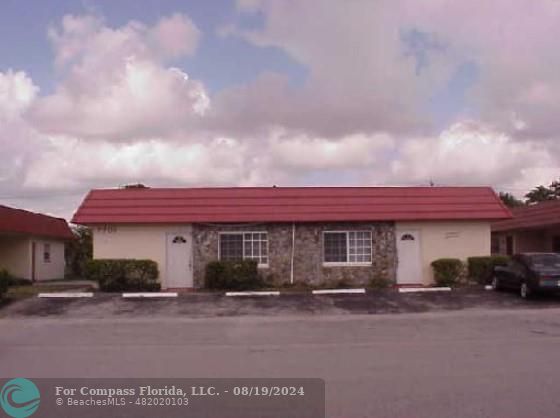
[[217, 305]]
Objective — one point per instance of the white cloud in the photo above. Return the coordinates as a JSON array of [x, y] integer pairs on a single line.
[[71, 163], [122, 112], [469, 154], [17, 92], [305, 153], [19, 143], [362, 77], [176, 35], [378, 64], [117, 86], [141, 100]]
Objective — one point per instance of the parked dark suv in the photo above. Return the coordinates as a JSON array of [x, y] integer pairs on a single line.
[[529, 273]]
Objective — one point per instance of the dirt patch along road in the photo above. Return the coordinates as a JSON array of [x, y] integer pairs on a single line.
[[217, 305]]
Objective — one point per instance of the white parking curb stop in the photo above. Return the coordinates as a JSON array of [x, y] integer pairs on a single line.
[[254, 293], [150, 295], [423, 289], [61, 295], [338, 291]]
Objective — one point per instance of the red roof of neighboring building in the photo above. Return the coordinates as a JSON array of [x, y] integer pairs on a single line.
[[23, 222], [540, 215], [289, 204]]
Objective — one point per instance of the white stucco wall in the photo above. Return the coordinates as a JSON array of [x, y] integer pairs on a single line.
[[135, 241], [438, 239], [53, 269], [443, 239], [15, 256]]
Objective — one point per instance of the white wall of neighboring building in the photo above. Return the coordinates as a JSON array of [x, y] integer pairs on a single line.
[[15, 256], [136, 241], [448, 239], [49, 268]]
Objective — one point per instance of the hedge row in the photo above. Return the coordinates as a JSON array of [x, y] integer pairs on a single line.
[[233, 275], [448, 271], [481, 268], [5, 282], [142, 275], [124, 275]]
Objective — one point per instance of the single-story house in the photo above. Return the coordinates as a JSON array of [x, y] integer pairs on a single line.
[[32, 244], [533, 228], [310, 234]]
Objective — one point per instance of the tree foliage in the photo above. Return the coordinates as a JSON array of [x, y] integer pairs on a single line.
[[510, 200], [537, 194], [79, 252], [542, 194]]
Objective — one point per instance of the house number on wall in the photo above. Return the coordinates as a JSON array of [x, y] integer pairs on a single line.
[[106, 229]]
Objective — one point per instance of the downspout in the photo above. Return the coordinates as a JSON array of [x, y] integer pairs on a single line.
[[293, 252]]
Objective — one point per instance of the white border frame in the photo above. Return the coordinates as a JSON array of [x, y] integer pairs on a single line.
[[347, 263], [259, 265]]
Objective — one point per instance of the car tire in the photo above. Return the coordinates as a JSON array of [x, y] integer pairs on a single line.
[[495, 283], [525, 291]]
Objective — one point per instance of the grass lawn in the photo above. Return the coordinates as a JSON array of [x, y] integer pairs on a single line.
[[25, 291]]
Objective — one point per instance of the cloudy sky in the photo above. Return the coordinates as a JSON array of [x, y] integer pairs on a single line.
[[287, 92]]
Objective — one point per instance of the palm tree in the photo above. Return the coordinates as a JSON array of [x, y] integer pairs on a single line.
[[540, 194], [510, 200]]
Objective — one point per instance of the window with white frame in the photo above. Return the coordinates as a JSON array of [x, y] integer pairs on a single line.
[[244, 245], [46, 253], [350, 247]]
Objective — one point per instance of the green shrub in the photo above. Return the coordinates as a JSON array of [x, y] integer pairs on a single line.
[[377, 282], [5, 282], [447, 271], [480, 268], [124, 275], [233, 275], [15, 281]]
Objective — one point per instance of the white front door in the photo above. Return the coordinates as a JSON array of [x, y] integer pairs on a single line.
[[179, 260], [409, 268]]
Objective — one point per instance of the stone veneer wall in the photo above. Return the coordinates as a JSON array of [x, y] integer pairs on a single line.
[[308, 259]]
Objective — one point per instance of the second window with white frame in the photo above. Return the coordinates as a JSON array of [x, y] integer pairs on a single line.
[[244, 245], [347, 247]]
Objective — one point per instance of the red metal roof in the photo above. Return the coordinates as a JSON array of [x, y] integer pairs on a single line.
[[289, 204], [23, 222], [540, 215]]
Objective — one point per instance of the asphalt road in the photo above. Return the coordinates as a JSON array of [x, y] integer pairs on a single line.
[[464, 363]]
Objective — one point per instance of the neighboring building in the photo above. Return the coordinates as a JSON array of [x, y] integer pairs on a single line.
[[533, 228], [310, 234], [32, 245]]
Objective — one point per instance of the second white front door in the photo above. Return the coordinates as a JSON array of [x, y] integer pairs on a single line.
[[409, 267], [179, 272]]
